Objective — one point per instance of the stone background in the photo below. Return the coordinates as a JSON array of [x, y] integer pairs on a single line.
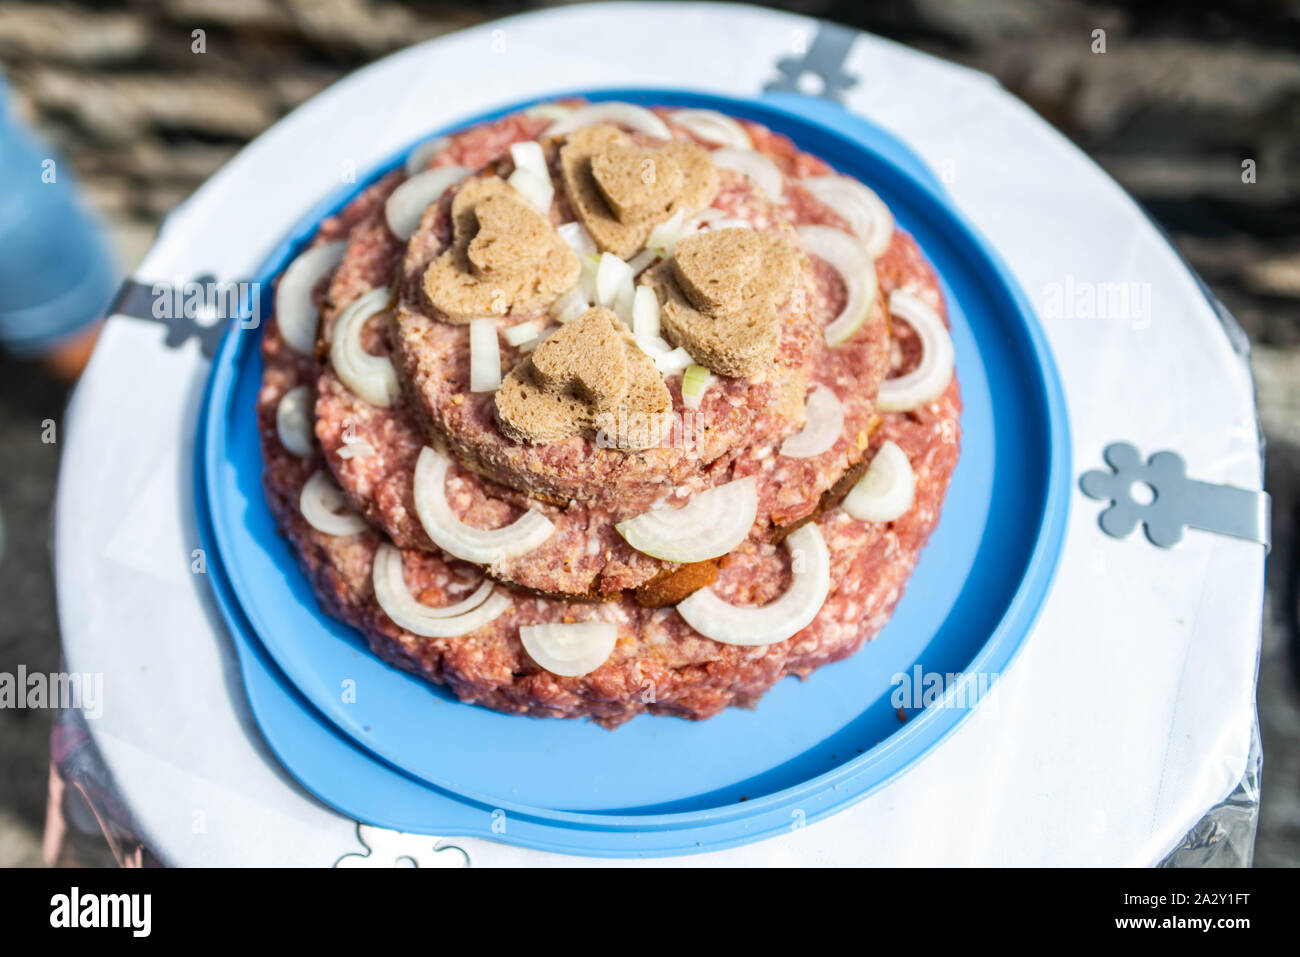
[[1182, 95]]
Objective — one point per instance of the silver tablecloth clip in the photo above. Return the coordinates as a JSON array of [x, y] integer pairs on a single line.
[[1174, 501]]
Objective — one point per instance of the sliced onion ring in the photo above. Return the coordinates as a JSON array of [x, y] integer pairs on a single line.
[[886, 491], [369, 376], [930, 378], [713, 127], [749, 625], [570, 649], [419, 157], [325, 509], [843, 254], [293, 421], [712, 523], [621, 114], [406, 204], [823, 425], [451, 621], [295, 313], [859, 206], [479, 545], [761, 171]]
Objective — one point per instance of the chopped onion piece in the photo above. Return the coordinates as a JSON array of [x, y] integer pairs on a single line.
[[712, 523], [528, 155], [406, 611], [695, 382], [578, 239], [846, 256], [478, 545], [668, 234], [621, 114], [761, 171], [590, 264], [667, 359], [324, 508], [570, 649], [886, 491], [612, 277], [810, 583], [419, 157], [645, 313], [536, 189], [642, 259], [823, 424], [358, 449], [295, 313], [713, 127], [368, 376], [570, 305], [293, 421], [930, 378], [406, 205], [859, 206], [542, 336], [484, 356], [524, 332]]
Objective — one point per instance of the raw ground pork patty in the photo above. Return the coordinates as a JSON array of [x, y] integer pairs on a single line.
[[372, 450], [659, 663]]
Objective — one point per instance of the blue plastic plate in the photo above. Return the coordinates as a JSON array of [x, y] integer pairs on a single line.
[[663, 785]]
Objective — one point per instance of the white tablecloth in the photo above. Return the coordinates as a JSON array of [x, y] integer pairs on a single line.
[[1129, 711]]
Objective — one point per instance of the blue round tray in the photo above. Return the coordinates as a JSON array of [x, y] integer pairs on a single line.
[[426, 762]]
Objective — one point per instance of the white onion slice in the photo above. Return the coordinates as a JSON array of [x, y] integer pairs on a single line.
[[859, 206], [479, 545], [406, 611], [419, 157], [613, 276], [645, 313], [930, 378], [536, 189], [528, 155], [590, 266], [823, 424], [406, 204], [368, 376], [293, 421], [642, 259], [669, 233], [570, 649], [886, 491], [695, 382], [712, 523], [761, 171], [578, 239], [621, 114], [571, 305], [524, 332], [810, 583], [666, 359], [713, 127], [846, 256], [549, 111], [484, 356], [295, 313], [325, 509]]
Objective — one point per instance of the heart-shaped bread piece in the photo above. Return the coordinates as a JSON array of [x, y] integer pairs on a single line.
[[636, 182], [503, 253], [588, 378], [586, 358], [720, 296], [699, 184], [512, 237]]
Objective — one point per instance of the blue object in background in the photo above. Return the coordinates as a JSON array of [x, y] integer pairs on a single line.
[[56, 273]]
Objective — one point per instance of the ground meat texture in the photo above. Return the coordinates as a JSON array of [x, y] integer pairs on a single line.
[[689, 675]]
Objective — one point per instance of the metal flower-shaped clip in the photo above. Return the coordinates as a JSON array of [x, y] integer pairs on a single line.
[[1176, 502]]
